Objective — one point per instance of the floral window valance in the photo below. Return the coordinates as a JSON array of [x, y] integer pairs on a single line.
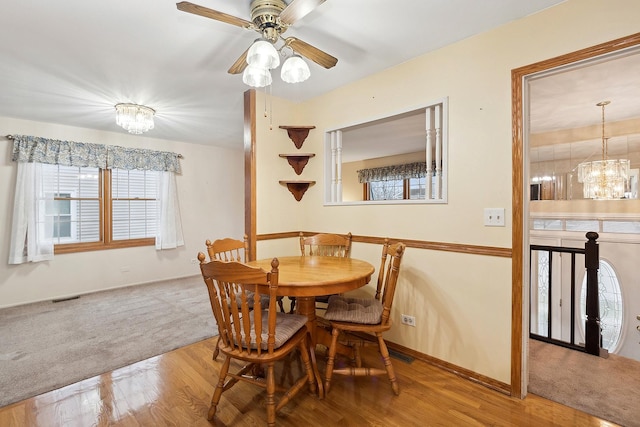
[[389, 173], [33, 149]]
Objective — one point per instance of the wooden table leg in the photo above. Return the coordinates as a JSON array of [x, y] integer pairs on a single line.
[[307, 307]]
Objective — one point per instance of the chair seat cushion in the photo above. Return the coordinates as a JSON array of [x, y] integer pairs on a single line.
[[323, 298], [286, 326], [367, 311]]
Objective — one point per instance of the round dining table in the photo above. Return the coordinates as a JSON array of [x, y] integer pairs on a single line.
[[306, 277]]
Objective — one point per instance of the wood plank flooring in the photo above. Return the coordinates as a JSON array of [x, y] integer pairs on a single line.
[[174, 389]]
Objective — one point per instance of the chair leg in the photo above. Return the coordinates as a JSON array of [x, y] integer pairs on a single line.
[[219, 388], [292, 309], [387, 363], [357, 356], [280, 304], [271, 392], [311, 368], [216, 350], [331, 359]]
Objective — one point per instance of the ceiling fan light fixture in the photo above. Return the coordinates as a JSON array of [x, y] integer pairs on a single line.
[[134, 118], [263, 54], [256, 76], [295, 70]]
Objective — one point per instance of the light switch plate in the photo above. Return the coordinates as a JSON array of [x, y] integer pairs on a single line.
[[494, 217]]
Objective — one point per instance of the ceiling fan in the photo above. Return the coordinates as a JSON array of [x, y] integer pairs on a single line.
[[270, 18]]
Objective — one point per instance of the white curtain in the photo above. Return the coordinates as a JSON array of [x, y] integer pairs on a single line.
[[31, 230], [169, 229]]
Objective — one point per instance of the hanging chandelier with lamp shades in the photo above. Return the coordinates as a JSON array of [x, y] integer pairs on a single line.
[[136, 119], [262, 57], [604, 179]]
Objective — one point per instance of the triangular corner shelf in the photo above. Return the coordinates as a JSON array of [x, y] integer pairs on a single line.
[[298, 134], [298, 161], [297, 188]]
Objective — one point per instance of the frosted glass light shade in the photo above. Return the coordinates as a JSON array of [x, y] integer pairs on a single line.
[[134, 118], [256, 76], [295, 70], [263, 54]]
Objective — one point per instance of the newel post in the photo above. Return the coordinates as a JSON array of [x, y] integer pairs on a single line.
[[593, 333]]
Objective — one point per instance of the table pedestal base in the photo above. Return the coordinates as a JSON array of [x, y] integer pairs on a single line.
[[319, 335]]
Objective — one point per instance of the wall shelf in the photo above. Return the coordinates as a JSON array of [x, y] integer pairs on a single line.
[[298, 134], [297, 188], [298, 161]]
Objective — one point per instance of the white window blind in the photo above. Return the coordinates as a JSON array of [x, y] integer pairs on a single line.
[[134, 208]]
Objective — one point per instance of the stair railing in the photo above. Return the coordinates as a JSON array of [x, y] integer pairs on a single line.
[[593, 332]]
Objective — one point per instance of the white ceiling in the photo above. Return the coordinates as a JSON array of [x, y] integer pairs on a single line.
[[401, 134], [70, 62], [567, 98]]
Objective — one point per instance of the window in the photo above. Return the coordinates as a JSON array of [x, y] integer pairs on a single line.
[[60, 210], [385, 190], [93, 208], [396, 189], [417, 188], [76, 196], [611, 305]]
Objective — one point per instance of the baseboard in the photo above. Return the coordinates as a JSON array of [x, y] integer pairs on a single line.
[[467, 374], [67, 296]]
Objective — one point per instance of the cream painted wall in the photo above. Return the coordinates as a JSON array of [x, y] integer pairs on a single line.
[[462, 303], [276, 205], [209, 211]]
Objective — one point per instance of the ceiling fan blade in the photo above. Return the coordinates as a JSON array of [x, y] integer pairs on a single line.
[[240, 64], [297, 9], [313, 53], [185, 6]]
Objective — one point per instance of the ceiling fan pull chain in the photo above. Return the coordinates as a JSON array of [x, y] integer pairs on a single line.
[[265, 102]]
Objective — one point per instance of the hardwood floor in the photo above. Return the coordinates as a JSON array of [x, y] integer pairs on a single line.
[[175, 389]]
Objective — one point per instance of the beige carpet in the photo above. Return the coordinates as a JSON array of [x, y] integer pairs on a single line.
[[607, 388], [46, 345]]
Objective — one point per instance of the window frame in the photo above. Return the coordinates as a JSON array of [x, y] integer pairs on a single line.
[[406, 192], [436, 149], [106, 224]]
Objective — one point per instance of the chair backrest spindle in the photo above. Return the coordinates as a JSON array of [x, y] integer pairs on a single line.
[[326, 244], [228, 249], [388, 276], [232, 293]]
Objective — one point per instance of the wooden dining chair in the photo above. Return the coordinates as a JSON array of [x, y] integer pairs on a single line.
[[366, 315], [256, 337], [323, 244], [229, 249]]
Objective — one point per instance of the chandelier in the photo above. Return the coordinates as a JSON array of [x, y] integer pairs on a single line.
[[262, 57], [134, 118], [607, 178]]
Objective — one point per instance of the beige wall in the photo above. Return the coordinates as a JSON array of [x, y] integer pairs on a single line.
[[462, 303], [210, 191]]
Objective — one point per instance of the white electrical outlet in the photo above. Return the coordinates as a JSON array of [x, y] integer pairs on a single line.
[[494, 217], [408, 320]]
